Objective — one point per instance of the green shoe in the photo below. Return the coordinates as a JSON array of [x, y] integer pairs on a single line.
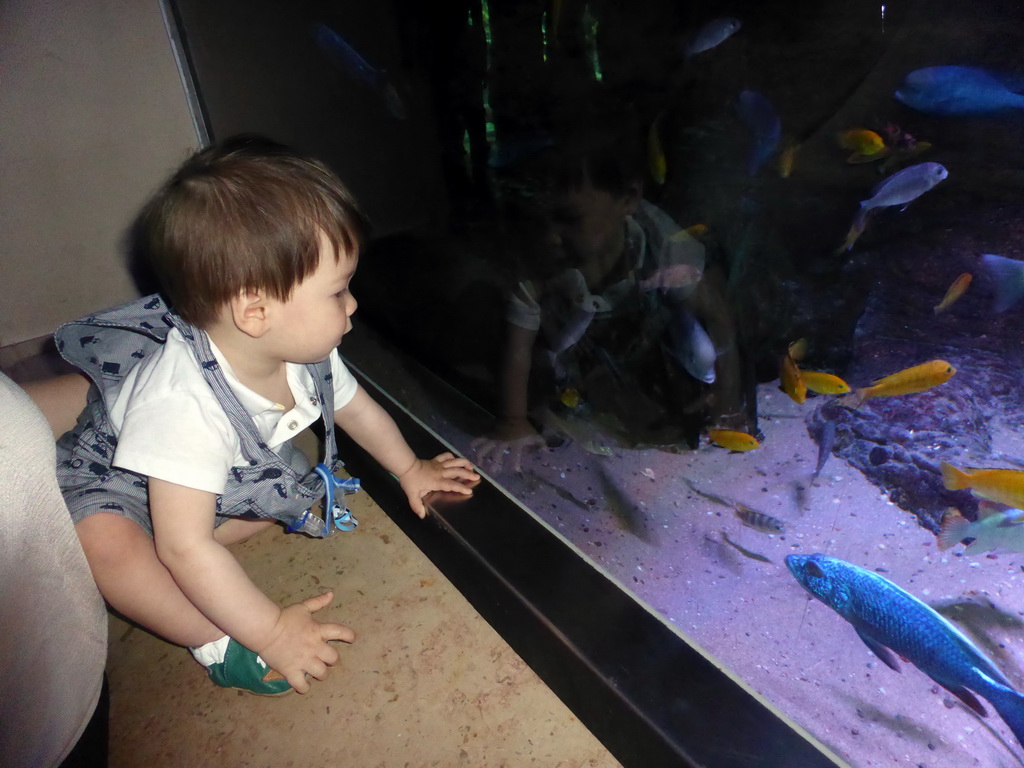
[[246, 671]]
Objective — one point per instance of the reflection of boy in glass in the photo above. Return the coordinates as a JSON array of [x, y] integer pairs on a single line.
[[601, 295]]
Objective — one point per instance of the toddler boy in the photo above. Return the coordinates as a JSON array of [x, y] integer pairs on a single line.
[[185, 444]]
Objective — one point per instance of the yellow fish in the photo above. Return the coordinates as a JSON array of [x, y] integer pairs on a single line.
[[856, 230], [798, 350], [787, 158], [733, 440], [683, 235], [1005, 486], [862, 142], [656, 152], [824, 383], [956, 290], [790, 380], [905, 382], [570, 398]]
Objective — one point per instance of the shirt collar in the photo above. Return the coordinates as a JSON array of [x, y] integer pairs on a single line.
[[299, 381]]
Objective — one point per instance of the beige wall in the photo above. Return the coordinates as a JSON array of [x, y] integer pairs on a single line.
[[92, 116]]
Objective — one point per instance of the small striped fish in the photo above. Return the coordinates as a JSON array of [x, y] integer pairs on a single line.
[[759, 521]]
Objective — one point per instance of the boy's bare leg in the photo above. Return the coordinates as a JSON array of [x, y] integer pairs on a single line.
[[132, 579], [61, 399], [236, 530]]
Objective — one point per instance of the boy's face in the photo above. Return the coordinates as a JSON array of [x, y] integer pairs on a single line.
[[587, 223], [317, 314]]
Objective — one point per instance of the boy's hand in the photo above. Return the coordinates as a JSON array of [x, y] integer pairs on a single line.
[[445, 472], [511, 439], [300, 643]]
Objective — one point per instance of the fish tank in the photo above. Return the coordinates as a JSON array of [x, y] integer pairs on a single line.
[[725, 301]]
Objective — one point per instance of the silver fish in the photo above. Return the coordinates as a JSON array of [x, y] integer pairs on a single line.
[[582, 431], [713, 34], [902, 188], [828, 441], [744, 551], [692, 347], [534, 481], [621, 505], [1002, 530], [721, 500]]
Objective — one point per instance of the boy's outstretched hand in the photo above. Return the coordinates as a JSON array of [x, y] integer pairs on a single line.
[[507, 445], [445, 472], [300, 646]]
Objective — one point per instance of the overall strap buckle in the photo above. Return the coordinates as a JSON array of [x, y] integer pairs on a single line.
[[334, 511]]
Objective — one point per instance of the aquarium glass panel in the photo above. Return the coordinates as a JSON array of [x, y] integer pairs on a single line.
[[734, 292]]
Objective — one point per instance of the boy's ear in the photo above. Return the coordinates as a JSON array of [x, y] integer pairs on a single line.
[[249, 313], [634, 194]]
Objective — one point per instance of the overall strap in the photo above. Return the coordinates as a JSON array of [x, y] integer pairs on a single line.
[[252, 445]]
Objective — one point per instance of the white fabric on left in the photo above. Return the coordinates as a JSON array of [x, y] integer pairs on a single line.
[[53, 623]]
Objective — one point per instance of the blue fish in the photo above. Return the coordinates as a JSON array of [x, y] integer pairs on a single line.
[[889, 619], [713, 34], [955, 90], [1008, 276], [759, 115], [347, 59]]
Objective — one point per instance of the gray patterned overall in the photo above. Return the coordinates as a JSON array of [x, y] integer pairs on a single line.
[[107, 346]]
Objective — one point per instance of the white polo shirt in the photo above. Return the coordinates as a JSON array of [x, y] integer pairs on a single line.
[[170, 425]]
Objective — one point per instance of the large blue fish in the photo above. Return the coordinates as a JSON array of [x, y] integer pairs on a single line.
[[347, 59], [759, 115], [889, 619], [954, 90]]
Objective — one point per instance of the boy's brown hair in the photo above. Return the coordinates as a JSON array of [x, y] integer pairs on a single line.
[[245, 214]]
